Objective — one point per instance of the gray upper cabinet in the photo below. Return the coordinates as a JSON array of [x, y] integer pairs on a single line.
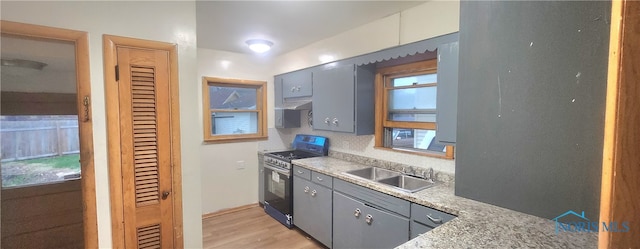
[[343, 99], [287, 118], [283, 118], [447, 96], [297, 84], [277, 91]]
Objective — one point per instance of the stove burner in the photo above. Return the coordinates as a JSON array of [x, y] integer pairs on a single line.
[[290, 155]]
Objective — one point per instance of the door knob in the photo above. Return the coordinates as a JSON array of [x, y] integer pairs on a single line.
[[165, 194]]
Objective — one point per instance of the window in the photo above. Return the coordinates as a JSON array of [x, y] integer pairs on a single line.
[[39, 149], [406, 109], [234, 110]]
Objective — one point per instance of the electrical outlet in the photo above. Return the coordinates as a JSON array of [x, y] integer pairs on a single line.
[[240, 165]]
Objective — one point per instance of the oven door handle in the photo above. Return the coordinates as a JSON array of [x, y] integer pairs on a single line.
[[281, 171]]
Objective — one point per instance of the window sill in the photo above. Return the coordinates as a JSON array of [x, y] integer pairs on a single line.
[[234, 140], [418, 153]]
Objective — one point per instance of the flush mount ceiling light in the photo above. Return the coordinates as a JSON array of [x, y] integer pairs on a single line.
[[23, 63], [259, 45]]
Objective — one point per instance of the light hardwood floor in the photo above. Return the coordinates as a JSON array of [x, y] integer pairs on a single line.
[[252, 228]]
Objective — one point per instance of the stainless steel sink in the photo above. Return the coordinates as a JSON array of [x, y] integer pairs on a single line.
[[373, 173], [407, 183]]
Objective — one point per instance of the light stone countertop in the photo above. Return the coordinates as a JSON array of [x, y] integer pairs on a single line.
[[478, 225]]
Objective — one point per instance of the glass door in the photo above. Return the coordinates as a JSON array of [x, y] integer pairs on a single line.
[[277, 189]]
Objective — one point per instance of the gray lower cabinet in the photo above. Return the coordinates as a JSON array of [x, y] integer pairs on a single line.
[[341, 214], [343, 99], [357, 225], [261, 179], [423, 219], [312, 206]]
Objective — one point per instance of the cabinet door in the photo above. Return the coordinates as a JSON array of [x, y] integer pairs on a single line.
[[279, 118], [351, 229], [287, 118], [348, 228], [447, 96], [277, 91], [334, 99], [297, 84], [261, 179], [302, 217], [312, 213], [417, 229], [321, 211]]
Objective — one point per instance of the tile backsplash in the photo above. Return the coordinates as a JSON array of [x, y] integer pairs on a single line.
[[356, 145]]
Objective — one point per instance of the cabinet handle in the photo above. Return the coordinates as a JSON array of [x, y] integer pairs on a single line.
[[306, 189], [335, 121], [357, 213], [434, 220], [293, 89], [313, 193], [326, 120], [298, 88], [369, 219], [299, 171], [319, 179]]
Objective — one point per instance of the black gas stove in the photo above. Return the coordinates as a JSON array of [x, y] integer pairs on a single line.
[[278, 180]]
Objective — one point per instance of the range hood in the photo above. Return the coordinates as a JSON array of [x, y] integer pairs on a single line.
[[299, 104]]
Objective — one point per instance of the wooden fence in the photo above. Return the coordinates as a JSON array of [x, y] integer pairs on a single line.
[[21, 140]]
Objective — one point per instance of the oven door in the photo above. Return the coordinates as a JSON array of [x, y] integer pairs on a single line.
[[277, 188]]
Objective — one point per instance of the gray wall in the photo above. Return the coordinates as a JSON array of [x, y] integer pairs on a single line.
[[531, 105]]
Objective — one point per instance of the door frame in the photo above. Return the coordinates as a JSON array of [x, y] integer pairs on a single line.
[[620, 171], [110, 44], [85, 124]]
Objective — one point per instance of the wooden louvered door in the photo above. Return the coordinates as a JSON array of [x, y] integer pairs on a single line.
[[145, 147]]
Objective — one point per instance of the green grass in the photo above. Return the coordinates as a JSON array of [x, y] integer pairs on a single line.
[[60, 162], [37, 171]]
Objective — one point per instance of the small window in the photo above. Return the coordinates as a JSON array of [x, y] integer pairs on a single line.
[[406, 109], [234, 110]]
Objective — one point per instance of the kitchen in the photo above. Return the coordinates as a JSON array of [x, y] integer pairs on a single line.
[[206, 188]]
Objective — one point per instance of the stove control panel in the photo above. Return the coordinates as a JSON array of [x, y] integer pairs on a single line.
[[277, 162], [311, 143]]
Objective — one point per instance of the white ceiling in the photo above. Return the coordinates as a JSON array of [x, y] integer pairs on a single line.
[[58, 76], [221, 25], [226, 25]]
